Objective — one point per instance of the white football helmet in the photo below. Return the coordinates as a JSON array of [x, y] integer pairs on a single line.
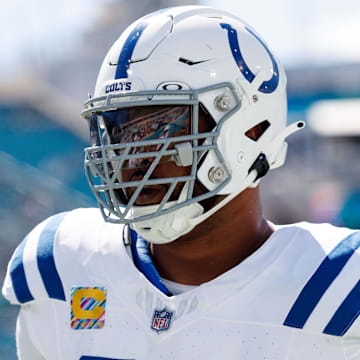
[[164, 70]]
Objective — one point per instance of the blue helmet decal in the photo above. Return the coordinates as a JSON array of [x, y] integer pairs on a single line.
[[127, 50], [268, 86]]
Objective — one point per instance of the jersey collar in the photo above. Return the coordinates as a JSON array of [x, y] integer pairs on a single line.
[[143, 262]]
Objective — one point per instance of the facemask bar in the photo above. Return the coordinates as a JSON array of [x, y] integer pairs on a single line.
[[101, 157]]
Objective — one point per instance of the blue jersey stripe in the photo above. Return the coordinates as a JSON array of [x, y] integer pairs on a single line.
[[346, 314], [127, 51], [320, 281], [45, 259], [18, 277]]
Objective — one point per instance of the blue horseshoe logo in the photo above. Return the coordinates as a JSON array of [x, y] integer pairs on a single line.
[[268, 86]]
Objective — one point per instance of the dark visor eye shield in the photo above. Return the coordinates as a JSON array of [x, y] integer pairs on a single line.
[[128, 125]]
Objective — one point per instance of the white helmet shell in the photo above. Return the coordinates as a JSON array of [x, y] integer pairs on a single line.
[[233, 75]]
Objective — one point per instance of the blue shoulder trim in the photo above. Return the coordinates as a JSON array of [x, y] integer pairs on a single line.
[[143, 262], [45, 259], [18, 277], [346, 314], [320, 281]]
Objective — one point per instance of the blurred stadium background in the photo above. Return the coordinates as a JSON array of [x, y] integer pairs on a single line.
[[53, 51]]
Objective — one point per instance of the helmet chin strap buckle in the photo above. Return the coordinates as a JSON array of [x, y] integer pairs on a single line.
[[184, 156], [261, 165]]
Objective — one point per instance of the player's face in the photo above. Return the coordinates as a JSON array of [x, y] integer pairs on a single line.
[[147, 123]]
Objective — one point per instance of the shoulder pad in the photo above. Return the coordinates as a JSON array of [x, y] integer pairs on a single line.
[[32, 272]]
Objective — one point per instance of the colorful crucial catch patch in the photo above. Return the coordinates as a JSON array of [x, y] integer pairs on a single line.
[[88, 307], [161, 320]]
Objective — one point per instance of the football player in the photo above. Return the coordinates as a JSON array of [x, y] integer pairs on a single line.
[[189, 113]]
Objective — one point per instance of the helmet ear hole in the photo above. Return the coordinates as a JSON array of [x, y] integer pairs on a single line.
[[258, 130]]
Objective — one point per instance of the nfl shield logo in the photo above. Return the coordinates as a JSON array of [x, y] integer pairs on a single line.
[[161, 320]]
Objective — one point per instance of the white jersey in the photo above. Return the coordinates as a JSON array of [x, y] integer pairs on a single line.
[[86, 296]]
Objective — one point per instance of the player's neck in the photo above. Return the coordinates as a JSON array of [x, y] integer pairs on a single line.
[[216, 245]]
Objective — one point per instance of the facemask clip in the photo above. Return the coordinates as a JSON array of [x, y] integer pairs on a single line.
[[184, 156]]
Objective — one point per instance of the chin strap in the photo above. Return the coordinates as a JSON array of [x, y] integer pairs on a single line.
[[168, 227]]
